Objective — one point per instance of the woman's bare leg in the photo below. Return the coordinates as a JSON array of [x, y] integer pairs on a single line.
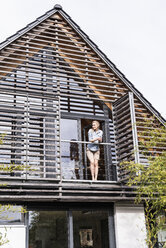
[[92, 169], [96, 169]]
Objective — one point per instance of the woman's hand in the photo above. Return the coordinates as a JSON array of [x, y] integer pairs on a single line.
[[99, 139]]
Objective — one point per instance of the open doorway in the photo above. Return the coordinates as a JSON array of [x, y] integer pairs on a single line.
[[86, 124], [74, 162]]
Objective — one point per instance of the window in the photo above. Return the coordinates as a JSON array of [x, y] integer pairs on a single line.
[[162, 235], [12, 216], [70, 229], [69, 149], [48, 229]]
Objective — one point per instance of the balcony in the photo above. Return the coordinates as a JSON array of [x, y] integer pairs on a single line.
[[67, 178], [63, 161]]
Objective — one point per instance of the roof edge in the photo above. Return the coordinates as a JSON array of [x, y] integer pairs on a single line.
[[31, 25], [57, 6]]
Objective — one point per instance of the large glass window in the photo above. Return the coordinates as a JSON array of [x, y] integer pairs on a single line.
[[48, 229], [69, 150], [90, 229], [73, 229]]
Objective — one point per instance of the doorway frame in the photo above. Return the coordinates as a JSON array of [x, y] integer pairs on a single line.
[[109, 167]]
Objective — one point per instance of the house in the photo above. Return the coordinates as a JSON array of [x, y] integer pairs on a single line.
[[53, 82]]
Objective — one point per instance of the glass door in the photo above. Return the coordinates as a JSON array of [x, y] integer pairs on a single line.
[[69, 149]]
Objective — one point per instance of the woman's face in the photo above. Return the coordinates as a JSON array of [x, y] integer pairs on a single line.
[[94, 126]]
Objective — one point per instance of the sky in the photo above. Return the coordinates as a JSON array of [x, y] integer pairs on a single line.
[[132, 33]]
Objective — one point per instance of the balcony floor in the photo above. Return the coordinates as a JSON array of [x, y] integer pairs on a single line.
[[52, 190]]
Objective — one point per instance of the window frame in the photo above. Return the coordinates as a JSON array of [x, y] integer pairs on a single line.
[[109, 208], [107, 150]]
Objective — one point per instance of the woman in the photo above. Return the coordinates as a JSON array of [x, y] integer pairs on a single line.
[[93, 152]]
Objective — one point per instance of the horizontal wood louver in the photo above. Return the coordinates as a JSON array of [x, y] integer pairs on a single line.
[[145, 123], [70, 53], [31, 134]]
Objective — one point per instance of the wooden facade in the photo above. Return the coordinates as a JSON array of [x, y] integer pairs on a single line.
[[50, 71]]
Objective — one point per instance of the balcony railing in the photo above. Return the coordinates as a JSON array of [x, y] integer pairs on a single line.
[[65, 160], [76, 165]]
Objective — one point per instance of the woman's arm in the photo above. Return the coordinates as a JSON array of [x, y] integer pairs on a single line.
[[100, 134], [90, 135], [91, 139]]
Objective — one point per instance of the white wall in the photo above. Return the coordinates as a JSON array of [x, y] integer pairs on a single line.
[[16, 235], [130, 226]]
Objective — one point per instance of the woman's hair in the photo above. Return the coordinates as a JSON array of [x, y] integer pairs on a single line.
[[97, 122]]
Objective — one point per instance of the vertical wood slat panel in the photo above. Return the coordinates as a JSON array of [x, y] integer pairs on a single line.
[[125, 133]]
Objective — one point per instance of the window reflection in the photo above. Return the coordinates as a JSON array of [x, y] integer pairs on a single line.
[[90, 229], [48, 229], [69, 150], [11, 216], [162, 234]]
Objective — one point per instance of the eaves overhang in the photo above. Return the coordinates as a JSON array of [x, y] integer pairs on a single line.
[[29, 27]]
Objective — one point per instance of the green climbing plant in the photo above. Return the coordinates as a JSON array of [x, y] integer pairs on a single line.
[[150, 180], [7, 209]]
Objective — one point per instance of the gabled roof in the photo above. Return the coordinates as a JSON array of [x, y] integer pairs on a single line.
[[58, 8]]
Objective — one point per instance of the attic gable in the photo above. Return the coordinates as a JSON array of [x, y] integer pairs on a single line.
[[59, 37], [57, 31]]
